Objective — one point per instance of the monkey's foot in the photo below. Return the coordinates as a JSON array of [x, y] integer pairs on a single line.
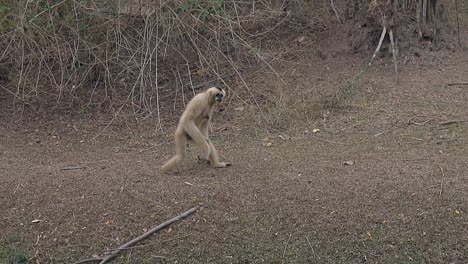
[[221, 165]]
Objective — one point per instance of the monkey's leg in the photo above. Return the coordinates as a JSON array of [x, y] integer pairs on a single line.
[[204, 131], [199, 139], [214, 159], [181, 143]]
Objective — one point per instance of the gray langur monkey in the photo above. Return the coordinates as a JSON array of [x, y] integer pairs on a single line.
[[193, 125]]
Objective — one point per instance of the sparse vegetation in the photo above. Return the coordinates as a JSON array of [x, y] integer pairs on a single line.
[[103, 55], [12, 256], [333, 161]]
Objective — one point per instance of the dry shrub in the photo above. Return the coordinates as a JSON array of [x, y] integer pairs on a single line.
[[416, 23], [85, 54]]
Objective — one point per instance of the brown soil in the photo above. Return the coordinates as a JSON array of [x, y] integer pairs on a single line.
[[384, 181]]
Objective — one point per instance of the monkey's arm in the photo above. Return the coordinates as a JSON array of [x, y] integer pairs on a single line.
[[204, 127]]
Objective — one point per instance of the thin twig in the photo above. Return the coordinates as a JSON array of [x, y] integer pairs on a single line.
[[424, 10], [460, 83], [115, 115], [392, 41], [442, 181], [127, 245], [458, 22], [410, 121], [17, 187], [285, 247], [311, 248], [453, 122], [335, 11], [418, 17], [74, 168], [47, 10]]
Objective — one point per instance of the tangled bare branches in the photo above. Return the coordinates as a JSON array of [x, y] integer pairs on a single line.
[[86, 54]]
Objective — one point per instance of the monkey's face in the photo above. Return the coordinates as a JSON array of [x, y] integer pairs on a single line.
[[218, 94], [219, 97]]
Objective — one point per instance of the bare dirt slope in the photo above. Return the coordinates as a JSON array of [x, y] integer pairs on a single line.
[[384, 181]]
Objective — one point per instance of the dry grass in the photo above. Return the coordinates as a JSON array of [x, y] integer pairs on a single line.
[[152, 56], [293, 201], [94, 54]]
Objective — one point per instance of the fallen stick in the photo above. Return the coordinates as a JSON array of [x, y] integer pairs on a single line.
[[125, 246], [73, 168], [454, 84], [442, 181], [452, 122]]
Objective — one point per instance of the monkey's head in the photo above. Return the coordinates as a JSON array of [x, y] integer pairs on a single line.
[[217, 93]]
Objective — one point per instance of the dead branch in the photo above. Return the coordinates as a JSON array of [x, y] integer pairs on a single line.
[[458, 22], [392, 41], [127, 245], [453, 122], [424, 10], [382, 36], [335, 11], [418, 17], [455, 84], [74, 168], [442, 181]]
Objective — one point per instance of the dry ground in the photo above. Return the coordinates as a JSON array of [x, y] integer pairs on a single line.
[[382, 182]]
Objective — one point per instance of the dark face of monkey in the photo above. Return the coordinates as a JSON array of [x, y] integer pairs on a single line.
[[219, 97]]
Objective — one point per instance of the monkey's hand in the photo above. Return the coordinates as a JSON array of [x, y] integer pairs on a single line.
[[203, 160]]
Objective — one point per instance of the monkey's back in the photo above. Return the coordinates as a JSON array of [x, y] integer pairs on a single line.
[[197, 109]]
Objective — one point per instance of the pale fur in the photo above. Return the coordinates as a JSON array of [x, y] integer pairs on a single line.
[[193, 125]]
